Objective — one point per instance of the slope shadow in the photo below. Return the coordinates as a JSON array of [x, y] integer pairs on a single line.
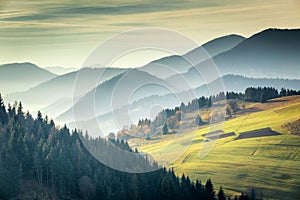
[[257, 133]]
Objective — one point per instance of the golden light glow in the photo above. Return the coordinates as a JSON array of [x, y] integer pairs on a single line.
[[64, 33]]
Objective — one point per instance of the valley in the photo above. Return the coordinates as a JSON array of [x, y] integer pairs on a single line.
[[149, 100], [217, 112]]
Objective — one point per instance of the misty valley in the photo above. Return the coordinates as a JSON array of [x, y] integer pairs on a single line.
[[220, 121]]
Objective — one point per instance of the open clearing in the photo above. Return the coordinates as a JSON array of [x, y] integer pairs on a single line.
[[268, 164]]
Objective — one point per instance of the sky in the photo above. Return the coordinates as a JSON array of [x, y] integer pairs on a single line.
[[65, 33]]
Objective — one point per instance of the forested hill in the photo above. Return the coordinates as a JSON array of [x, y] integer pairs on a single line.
[[40, 161]]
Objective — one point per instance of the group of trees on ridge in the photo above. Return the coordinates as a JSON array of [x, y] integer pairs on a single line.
[[41, 161], [263, 94], [169, 119]]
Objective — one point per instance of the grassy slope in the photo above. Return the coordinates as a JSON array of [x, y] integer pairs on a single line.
[[269, 164]]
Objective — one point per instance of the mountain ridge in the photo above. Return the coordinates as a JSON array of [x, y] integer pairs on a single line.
[[175, 64], [271, 53], [22, 76], [142, 108], [117, 86], [61, 87]]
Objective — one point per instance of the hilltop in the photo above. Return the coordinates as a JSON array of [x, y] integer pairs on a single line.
[[22, 76]]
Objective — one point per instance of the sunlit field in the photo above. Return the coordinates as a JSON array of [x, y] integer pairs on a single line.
[[268, 164]]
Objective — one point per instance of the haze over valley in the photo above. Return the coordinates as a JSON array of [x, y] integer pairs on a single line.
[[164, 100]]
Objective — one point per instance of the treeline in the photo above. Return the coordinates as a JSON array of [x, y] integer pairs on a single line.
[[40, 161], [172, 116], [168, 120], [263, 94]]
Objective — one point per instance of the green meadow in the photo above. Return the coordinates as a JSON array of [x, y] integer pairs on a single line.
[[269, 164]]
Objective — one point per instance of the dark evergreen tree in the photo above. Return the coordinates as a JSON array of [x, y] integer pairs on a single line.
[[252, 195], [283, 92], [221, 194], [165, 129], [209, 189], [209, 104], [263, 98], [255, 94], [199, 121], [56, 164], [243, 197], [3, 114]]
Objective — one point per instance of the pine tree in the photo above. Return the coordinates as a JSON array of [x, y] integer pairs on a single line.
[[38, 151], [263, 98], [20, 109], [39, 116], [199, 121], [209, 189], [3, 114], [221, 194], [165, 129], [252, 194], [182, 179], [166, 187], [12, 142], [283, 92], [209, 104]]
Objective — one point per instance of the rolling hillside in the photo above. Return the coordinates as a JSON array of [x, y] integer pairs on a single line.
[[145, 107], [260, 160]]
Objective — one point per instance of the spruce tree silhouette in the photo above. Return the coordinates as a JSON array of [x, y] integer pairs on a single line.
[[221, 194]]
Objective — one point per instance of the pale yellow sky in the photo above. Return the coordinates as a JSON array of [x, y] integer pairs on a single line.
[[64, 33]]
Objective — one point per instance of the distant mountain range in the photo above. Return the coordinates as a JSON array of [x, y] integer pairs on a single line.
[[143, 108], [117, 92], [21, 76], [176, 64], [61, 88], [270, 53]]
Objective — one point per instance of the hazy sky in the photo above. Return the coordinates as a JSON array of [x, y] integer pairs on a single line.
[[64, 33]]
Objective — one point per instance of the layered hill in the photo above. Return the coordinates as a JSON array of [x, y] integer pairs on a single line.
[[177, 64], [22, 76], [61, 88], [146, 107], [270, 53], [121, 90]]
